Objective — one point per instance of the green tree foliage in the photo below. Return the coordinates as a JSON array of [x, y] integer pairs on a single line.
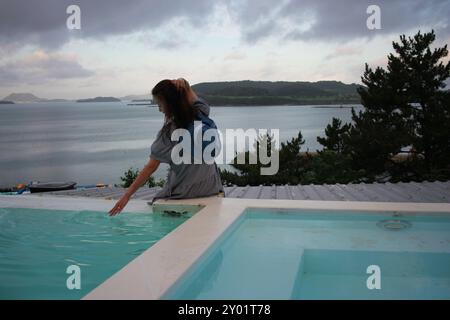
[[405, 106], [333, 164], [402, 134], [130, 175], [291, 164], [330, 167], [335, 136]]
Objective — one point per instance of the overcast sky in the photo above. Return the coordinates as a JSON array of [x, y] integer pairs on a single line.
[[126, 47]]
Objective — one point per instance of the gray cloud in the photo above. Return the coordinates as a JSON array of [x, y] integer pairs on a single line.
[[43, 22], [40, 67], [338, 20]]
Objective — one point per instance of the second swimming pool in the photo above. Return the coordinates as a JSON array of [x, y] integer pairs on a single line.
[[297, 254]]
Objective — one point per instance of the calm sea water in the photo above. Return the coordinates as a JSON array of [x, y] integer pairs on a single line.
[[97, 142]]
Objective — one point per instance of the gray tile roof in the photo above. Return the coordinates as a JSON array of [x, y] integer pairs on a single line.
[[386, 192]]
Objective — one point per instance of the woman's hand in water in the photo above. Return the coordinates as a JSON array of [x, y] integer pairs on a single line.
[[119, 205], [143, 176]]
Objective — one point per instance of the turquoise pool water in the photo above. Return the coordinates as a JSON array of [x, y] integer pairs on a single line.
[[37, 246], [285, 254]]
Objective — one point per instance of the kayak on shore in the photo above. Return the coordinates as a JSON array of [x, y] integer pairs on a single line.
[[38, 186]]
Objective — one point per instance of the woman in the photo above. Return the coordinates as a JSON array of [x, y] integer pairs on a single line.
[[179, 103]]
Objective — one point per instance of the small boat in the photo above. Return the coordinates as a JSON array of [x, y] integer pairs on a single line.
[[17, 189], [51, 186]]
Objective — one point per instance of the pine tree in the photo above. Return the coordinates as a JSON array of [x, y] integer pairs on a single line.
[[291, 164], [405, 106], [426, 75], [335, 136]]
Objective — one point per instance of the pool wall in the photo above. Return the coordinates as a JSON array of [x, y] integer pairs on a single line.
[[68, 203], [156, 270]]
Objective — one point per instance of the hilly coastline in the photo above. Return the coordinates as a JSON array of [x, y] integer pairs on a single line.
[[255, 93], [244, 93], [100, 99]]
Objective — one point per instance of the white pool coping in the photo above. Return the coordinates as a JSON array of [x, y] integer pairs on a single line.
[[152, 273]]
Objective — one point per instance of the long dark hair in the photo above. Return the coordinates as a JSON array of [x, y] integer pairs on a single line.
[[176, 100]]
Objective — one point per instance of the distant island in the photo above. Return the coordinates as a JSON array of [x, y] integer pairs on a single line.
[[100, 99], [6, 102], [242, 93], [134, 97], [23, 98], [260, 93], [29, 98], [142, 100]]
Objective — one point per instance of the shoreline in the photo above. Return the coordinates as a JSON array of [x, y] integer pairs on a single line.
[[130, 103], [325, 106]]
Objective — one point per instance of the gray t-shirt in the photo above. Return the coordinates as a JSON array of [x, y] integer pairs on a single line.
[[185, 180]]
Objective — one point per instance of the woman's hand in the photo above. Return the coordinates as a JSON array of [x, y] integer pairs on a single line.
[[119, 205], [143, 176], [182, 84]]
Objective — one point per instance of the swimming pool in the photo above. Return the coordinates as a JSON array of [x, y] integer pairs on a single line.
[[38, 245], [323, 254]]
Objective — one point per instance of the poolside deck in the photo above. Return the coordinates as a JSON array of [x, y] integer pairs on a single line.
[[428, 192]]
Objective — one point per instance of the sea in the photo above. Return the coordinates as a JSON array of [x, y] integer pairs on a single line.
[[92, 143]]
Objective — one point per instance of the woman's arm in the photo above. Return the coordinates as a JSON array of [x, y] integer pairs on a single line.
[[143, 176]]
